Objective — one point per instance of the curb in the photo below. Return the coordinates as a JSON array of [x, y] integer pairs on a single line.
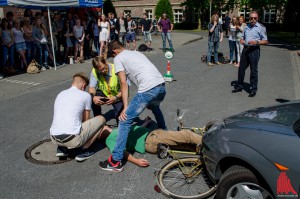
[[295, 60]]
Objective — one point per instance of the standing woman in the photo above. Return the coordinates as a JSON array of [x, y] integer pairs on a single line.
[[104, 32], [215, 36], [28, 39], [240, 26], [8, 41], [232, 39], [68, 33], [40, 39], [96, 32], [20, 42], [79, 40]]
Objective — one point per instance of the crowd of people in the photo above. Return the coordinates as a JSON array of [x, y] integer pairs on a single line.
[[244, 45], [29, 38]]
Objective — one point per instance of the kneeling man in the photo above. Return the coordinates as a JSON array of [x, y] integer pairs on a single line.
[[72, 127]]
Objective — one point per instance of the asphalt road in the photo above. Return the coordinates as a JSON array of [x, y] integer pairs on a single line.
[[203, 92]]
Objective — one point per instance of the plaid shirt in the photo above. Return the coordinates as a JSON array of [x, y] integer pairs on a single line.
[[215, 35]]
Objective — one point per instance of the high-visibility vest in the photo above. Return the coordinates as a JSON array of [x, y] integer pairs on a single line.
[[110, 88]]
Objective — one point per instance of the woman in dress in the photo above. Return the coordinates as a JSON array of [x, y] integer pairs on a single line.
[[79, 40], [232, 40], [20, 42], [240, 26], [104, 32]]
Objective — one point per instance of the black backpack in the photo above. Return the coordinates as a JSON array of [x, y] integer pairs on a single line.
[[142, 48]]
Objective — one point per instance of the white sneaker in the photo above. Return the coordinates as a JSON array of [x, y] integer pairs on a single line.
[[43, 68], [1, 77]]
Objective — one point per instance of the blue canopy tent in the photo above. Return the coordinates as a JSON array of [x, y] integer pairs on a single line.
[[51, 4]]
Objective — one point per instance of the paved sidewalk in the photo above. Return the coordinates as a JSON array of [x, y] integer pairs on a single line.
[[27, 82]]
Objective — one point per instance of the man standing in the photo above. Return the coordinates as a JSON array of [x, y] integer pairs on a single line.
[[165, 26], [105, 87], [146, 29], [112, 21], [254, 35], [151, 92], [72, 127], [122, 27], [130, 36]]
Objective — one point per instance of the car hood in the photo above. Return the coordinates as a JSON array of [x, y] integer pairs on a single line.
[[278, 119]]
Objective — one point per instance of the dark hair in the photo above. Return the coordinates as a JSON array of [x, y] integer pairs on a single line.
[[113, 45], [2, 24], [97, 60], [9, 14]]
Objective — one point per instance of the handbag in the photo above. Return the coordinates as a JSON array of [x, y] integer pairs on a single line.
[[33, 67]]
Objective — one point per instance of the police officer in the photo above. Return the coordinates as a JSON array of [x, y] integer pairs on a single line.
[[254, 35], [105, 87]]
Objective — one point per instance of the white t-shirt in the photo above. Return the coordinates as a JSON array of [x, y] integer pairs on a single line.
[[138, 70], [68, 108]]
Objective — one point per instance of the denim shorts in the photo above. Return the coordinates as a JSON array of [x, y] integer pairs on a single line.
[[20, 46], [130, 37]]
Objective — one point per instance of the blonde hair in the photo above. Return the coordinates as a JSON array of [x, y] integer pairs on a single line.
[[97, 60], [82, 76], [212, 18]]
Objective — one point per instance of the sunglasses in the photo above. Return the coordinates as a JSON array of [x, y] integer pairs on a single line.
[[253, 18]]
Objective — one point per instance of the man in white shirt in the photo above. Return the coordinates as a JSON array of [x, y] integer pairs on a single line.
[[151, 92], [72, 127]]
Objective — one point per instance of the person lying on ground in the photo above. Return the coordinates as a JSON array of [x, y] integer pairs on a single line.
[[141, 139]]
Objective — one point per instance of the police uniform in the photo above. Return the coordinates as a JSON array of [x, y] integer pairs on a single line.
[[250, 56]]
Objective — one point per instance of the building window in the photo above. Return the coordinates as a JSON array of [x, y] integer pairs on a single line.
[[269, 16], [244, 11], [127, 12], [149, 13], [178, 15]]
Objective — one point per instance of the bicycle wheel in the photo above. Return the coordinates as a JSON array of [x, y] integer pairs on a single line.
[[184, 178]]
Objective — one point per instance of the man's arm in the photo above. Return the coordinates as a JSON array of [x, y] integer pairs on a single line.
[[124, 92], [85, 115], [138, 161]]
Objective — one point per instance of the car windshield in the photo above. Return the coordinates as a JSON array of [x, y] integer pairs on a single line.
[[285, 115]]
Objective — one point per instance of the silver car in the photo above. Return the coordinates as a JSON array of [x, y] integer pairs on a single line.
[[255, 154]]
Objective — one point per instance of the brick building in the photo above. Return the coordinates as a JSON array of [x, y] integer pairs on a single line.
[[136, 8]]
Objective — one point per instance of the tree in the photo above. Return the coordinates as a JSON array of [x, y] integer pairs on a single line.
[[292, 16], [164, 6], [109, 7]]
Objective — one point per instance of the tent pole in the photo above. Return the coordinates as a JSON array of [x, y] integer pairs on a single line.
[[50, 26]]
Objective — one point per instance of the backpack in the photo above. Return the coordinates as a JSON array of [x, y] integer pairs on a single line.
[[142, 48], [33, 67]]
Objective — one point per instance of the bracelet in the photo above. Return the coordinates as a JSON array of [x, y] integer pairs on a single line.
[[92, 95]]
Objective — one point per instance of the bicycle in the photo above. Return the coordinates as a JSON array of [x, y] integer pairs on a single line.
[[180, 177]]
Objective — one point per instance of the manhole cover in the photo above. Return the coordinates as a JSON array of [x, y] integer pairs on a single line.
[[44, 152]]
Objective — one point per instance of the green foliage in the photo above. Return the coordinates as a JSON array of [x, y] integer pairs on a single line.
[[164, 6], [109, 7]]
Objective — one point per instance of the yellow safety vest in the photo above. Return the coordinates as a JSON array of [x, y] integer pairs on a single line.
[[110, 88]]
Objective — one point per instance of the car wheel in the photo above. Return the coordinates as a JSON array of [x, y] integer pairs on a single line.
[[239, 182]]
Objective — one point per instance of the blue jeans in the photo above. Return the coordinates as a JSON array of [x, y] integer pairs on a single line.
[[42, 48], [150, 99], [167, 35], [232, 48], [211, 45], [10, 52], [97, 44], [29, 51]]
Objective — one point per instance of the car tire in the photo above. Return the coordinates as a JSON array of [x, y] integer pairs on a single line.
[[240, 182]]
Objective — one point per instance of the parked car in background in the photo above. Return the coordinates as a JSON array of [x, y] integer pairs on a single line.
[[255, 154]]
